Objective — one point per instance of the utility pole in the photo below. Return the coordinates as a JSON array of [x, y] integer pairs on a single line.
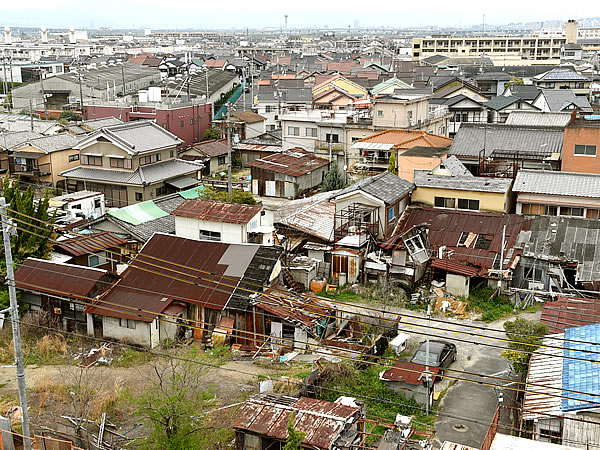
[[12, 82], [80, 76], [16, 329], [427, 376], [229, 187], [31, 114], [244, 84], [501, 259], [122, 78], [43, 92], [251, 86]]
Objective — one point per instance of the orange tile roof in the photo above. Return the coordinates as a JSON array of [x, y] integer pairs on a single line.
[[215, 63], [404, 139]]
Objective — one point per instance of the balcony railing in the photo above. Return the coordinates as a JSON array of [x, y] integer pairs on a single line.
[[324, 145]]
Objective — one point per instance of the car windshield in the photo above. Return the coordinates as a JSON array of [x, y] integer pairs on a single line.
[[421, 358]]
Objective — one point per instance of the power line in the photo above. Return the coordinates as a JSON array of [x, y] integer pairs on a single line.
[[237, 286], [299, 383], [308, 344]]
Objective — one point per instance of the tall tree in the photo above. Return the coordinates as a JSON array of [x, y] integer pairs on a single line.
[[334, 179], [392, 164], [294, 438], [31, 217]]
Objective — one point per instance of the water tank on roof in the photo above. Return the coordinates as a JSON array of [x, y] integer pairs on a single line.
[[143, 96], [154, 94]]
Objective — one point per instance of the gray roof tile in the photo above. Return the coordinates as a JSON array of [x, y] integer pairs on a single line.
[[539, 119], [462, 183], [557, 183], [386, 186], [471, 138]]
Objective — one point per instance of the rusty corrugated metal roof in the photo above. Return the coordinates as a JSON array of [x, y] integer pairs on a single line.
[[91, 243], [321, 421], [546, 377], [407, 372], [445, 228], [217, 211], [454, 267], [568, 312], [50, 277], [145, 286], [294, 162]]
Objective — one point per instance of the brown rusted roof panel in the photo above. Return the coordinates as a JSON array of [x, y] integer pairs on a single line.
[[294, 162], [50, 277], [92, 243], [194, 273], [217, 211]]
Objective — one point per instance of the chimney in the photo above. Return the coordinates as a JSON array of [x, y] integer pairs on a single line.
[[44, 33], [571, 31], [72, 39], [7, 35]]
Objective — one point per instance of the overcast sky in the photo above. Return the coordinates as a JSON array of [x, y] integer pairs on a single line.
[[206, 14]]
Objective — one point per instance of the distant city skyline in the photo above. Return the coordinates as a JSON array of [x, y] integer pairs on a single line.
[[238, 14]]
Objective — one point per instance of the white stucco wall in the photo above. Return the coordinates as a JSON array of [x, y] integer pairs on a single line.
[[139, 336], [233, 233], [457, 285]]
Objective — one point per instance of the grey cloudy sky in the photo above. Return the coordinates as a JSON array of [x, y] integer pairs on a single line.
[[204, 14]]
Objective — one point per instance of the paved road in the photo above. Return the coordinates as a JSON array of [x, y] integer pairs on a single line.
[[467, 408]]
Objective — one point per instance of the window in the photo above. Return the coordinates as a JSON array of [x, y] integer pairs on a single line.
[[149, 159], [585, 150], [568, 211], [294, 131], [210, 235], [171, 153], [73, 158], [139, 197], [579, 85], [165, 126], [464, 203], [161, 190], [97, 203], [182, 124], [444, 202], [311, 132], [379, 113], [592, 213], [127, 323], [269, 109], [333, 138], [96, 259], [191, 121], [89, 160], [118, 163], [221, 160], [391, 214]]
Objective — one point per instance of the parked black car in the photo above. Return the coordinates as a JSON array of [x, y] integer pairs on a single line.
[[441, 354]]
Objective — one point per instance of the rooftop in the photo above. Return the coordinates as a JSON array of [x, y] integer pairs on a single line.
[[248, 116], [58, 278], [212, 148], [548, 182], [143, 175], [423, 179], [525, 141], [539, 119], [83, 245], [402, 139], [134, 137], [386, 187], [295, 162], [217, 211], [199, 281], [322, 422], [581, 375], [560, 74]]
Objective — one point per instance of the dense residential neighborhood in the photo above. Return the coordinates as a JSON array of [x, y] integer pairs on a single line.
[[301, 238]]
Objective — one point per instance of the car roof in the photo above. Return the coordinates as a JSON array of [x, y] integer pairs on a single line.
[[434, 345]]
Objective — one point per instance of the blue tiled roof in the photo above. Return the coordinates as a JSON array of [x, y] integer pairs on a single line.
[[581, 376]]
